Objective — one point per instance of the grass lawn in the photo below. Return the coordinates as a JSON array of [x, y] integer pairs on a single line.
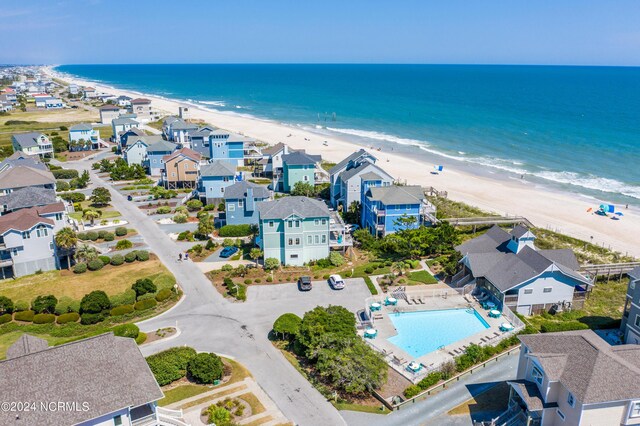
[[111, 279], [493, 399], [253, 401], [260, 181], [362, 408], [181, 392], [106, 214], [423, 277]]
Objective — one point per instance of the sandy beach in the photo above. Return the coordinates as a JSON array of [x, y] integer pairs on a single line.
[[566, 213]]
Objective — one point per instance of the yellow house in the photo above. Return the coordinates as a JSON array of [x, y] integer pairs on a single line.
[[181, 169]]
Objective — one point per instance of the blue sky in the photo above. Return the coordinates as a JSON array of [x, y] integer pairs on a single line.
[[401, 31]]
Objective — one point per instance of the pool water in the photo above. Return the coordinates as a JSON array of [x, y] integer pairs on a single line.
[[423, 332]]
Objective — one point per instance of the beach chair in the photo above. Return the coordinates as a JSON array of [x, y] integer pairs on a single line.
[[420, 300], [408, 301]]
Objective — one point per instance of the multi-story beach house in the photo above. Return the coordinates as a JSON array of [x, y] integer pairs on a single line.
[[23, 198], [124, 136], [123, 101], [199, 140], [108, 113], [385, 207], [294, 230], [73, 89], [271, 162], [122, 124], [21, 171], [53, 103], [143, 109], [136, 151], [214, 178], [166, 125], [27, 239], [156, 151], [241, 202], [298, 166], [630, 325], [347, 183], [514, 273], [87, 376], [89, 93], [181, 131], [33, 144], [83, 137], [574, 378], [181, 169], [226, 146]]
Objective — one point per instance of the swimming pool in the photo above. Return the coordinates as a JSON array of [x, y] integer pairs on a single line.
[[422, 332]]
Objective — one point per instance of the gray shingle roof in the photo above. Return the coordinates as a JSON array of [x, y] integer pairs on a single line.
[[519, 230], [218, 168], [591, 369], [81, 126], [342, 164], [302, 207], [26, 344], [300, 159], [170, 119], [161, 146], [27, 140], [394, 195], [273, 149], [22, 176], [374, 170], [108, 373], [123, 120], [370, 176], [30, 196], [239, 190], [511, 270], [183, 125], [531, 394]]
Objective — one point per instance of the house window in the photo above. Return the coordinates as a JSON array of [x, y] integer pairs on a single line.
[[324, 221], [317, 221], [15, 252], [222, 190], [41, 231], [632, 285], [58, 216], [26, 235], [231, 207], [317, 238], [537, 375], [290, 241], [570, 400], [117, 421], [173, 174], [324, 239], [294, 256], [637, 321], [306, 178], [635, 409], [297, 224], [271, 224], [297, 241], [528, 291], [290, 224], [547, 289], [309, 239], [240, 203], [560, 414]]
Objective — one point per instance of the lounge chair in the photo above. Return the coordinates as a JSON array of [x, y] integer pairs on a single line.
[[409, 302], [451, 353], [420, 300]]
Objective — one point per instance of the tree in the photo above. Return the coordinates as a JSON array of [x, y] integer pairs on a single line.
[[91, 215], [143, 286], [406, 222], [255, 254], [288, 325], [66, 239], [218, 416], [336, 258], [305, 189], [100, 196], [94, 302], [333, 320], [86, 253], [398, 267], [271, 263], [205, 225], [205, 368], [352, 215], [44, 304], [6, 305]]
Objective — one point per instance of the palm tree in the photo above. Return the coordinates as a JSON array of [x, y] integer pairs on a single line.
[[91, 215], [86, 253], [398, 267], [66, 239], [255, 254]]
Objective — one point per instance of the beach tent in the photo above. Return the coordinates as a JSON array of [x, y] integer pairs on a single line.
[[438, 169], [607, 208]]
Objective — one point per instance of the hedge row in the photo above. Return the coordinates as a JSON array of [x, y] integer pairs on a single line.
[[69, 317], [424, 384], [170, 365], [552, 327], [235, 231], [115, 260]]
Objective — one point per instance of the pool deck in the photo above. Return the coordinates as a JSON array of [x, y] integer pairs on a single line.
[[433, 299]]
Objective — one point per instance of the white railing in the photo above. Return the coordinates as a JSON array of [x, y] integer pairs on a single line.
[[512, 318], [167, 417]]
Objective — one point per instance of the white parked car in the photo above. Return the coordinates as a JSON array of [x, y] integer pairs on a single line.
[[336, 282]]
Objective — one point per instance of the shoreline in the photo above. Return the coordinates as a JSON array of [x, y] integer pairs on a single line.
[[545, 207]]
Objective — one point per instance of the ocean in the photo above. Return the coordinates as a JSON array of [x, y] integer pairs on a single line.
[[573, 129]]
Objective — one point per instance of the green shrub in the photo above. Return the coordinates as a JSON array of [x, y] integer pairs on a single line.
[[44, 304], [44, 319], [205, 368], [269, 279], [109, 236], [194, 205], [101, 234], [62, 185], [95, 265], [368, 270], [121, 310], [226, 268], [147, 296], [271, 263], [105, 259], [143, 286], [130, 257], [82, 236], [65, 174], [128, 297], [121, 231], [145, 304], [126, 330], [336, 258], [163, 295], [248, 281], [235, 230], [88, 319], [325, 276], [142, 337], [430, 380], [181, 209], [68, 317], [209, 207], [142, 255], [117, 260], [5, 318], [180, 218], [170, 365], [73, 197], [185, 236], [94, 302], [80, 268], [123, 245], [163, 210], [24, 316], [92, 236], [257, 281], [411, 391], [552, 326], [21, 305]]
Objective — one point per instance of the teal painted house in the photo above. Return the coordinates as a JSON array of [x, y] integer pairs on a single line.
[[241, 202], [294, 230], [298, 167]]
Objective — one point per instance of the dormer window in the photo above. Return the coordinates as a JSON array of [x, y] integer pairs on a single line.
[[537, 375]]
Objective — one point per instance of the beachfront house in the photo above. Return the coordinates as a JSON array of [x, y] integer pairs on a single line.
[[199, 140], [124, 136], [123, 101], [630, 325], [156, 151], [166, 126], [346, 188], [294, 230], [181, 169], [271, 162], [388, 208], [136, 150], [87, 375], [226, 146], [509, 268], [143, 109], [241, 202], [574, 378], [122, 124], [83, 137], [108, 113], [73, 89], [181, 131], [32, 143], [27, 239], [53, 103], [298, 166], [214, 178], [89, 92]]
